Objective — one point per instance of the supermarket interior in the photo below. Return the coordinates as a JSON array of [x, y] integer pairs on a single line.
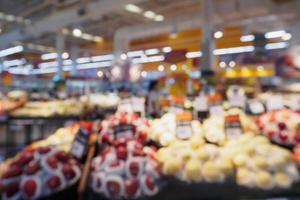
[[149, 99]]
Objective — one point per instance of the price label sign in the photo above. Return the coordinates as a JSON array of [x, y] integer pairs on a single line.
[[233, 127], [274, 102], [125, 105], [138, 105], [80, 143], [216, 110], [124, 131], [201, 104], [256, 107], [237, 100], [184, 126]]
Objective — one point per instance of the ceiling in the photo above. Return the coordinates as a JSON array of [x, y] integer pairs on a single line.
[[252, 16]]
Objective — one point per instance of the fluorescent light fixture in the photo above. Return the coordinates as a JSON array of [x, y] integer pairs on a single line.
[[77, 32], [87, 36], [49, 56], [151, 51], [68, 62], [247, 38], [133, 8], [98, 39], [10, 63], [148, 59], [12, 50], [218, 34], [48, 64], [287, 36], [132, 54], [21, 70], [161, 68], [159, 18], [83, 60], [94, 65], [233, 50], [149, 14], [45, 70], [274, 34], [166, 49], [173, 67], [102, 58], [278, 45], [193, 54]]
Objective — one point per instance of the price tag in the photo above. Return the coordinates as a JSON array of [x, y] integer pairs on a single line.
[[233, 127], [184, 126], [256, 107], [201, 104], [138, 105], [124, 131], [274, 102], [216, 110], [79, 145], [237, 100], [125, 105]]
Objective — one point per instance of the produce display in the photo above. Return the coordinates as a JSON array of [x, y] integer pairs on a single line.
[[164, 130], [124, 125], [281, 126], [214, 127], [251, 159], [126, 169], [39, 172], [50, 108], [101, 100]]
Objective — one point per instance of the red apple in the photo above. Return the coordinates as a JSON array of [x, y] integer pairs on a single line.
[[30, 188], [122, 153], [150, 183], [68, 171], [131, 187], [113, 188], [62, 156], [32, 168], [53, 182], [52, 162], [283, 135], [134, 168], [13, 171], [281, 125], [44, 150]]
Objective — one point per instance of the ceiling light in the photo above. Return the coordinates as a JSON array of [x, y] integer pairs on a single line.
[[166, 49], [144, 74], [247, 38], [133, 8], [232, 64], [10, 63], [135, 53], [83, 60], [10, 51], [286, 36], [151, 51], [278, 45], [194, 54], [68, 62], [123, 56], [65, 55], [173, 67], [98, 39], [159, 18], [161, 68], [102, 57], [233, 50], [100, 73], [49, 56], [275, 34], [77, 32], [149, 14], [260, 68], [218, 34], [86, 36], [222, 64]]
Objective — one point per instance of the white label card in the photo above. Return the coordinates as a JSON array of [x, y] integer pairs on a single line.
[[216, 110], [275, 102], [78, 149], [184, 130], [256, 107], [237, 101], [201, 104]]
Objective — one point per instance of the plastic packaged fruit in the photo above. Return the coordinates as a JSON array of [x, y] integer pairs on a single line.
[[39, 172], [129, 172], [281, 126]]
